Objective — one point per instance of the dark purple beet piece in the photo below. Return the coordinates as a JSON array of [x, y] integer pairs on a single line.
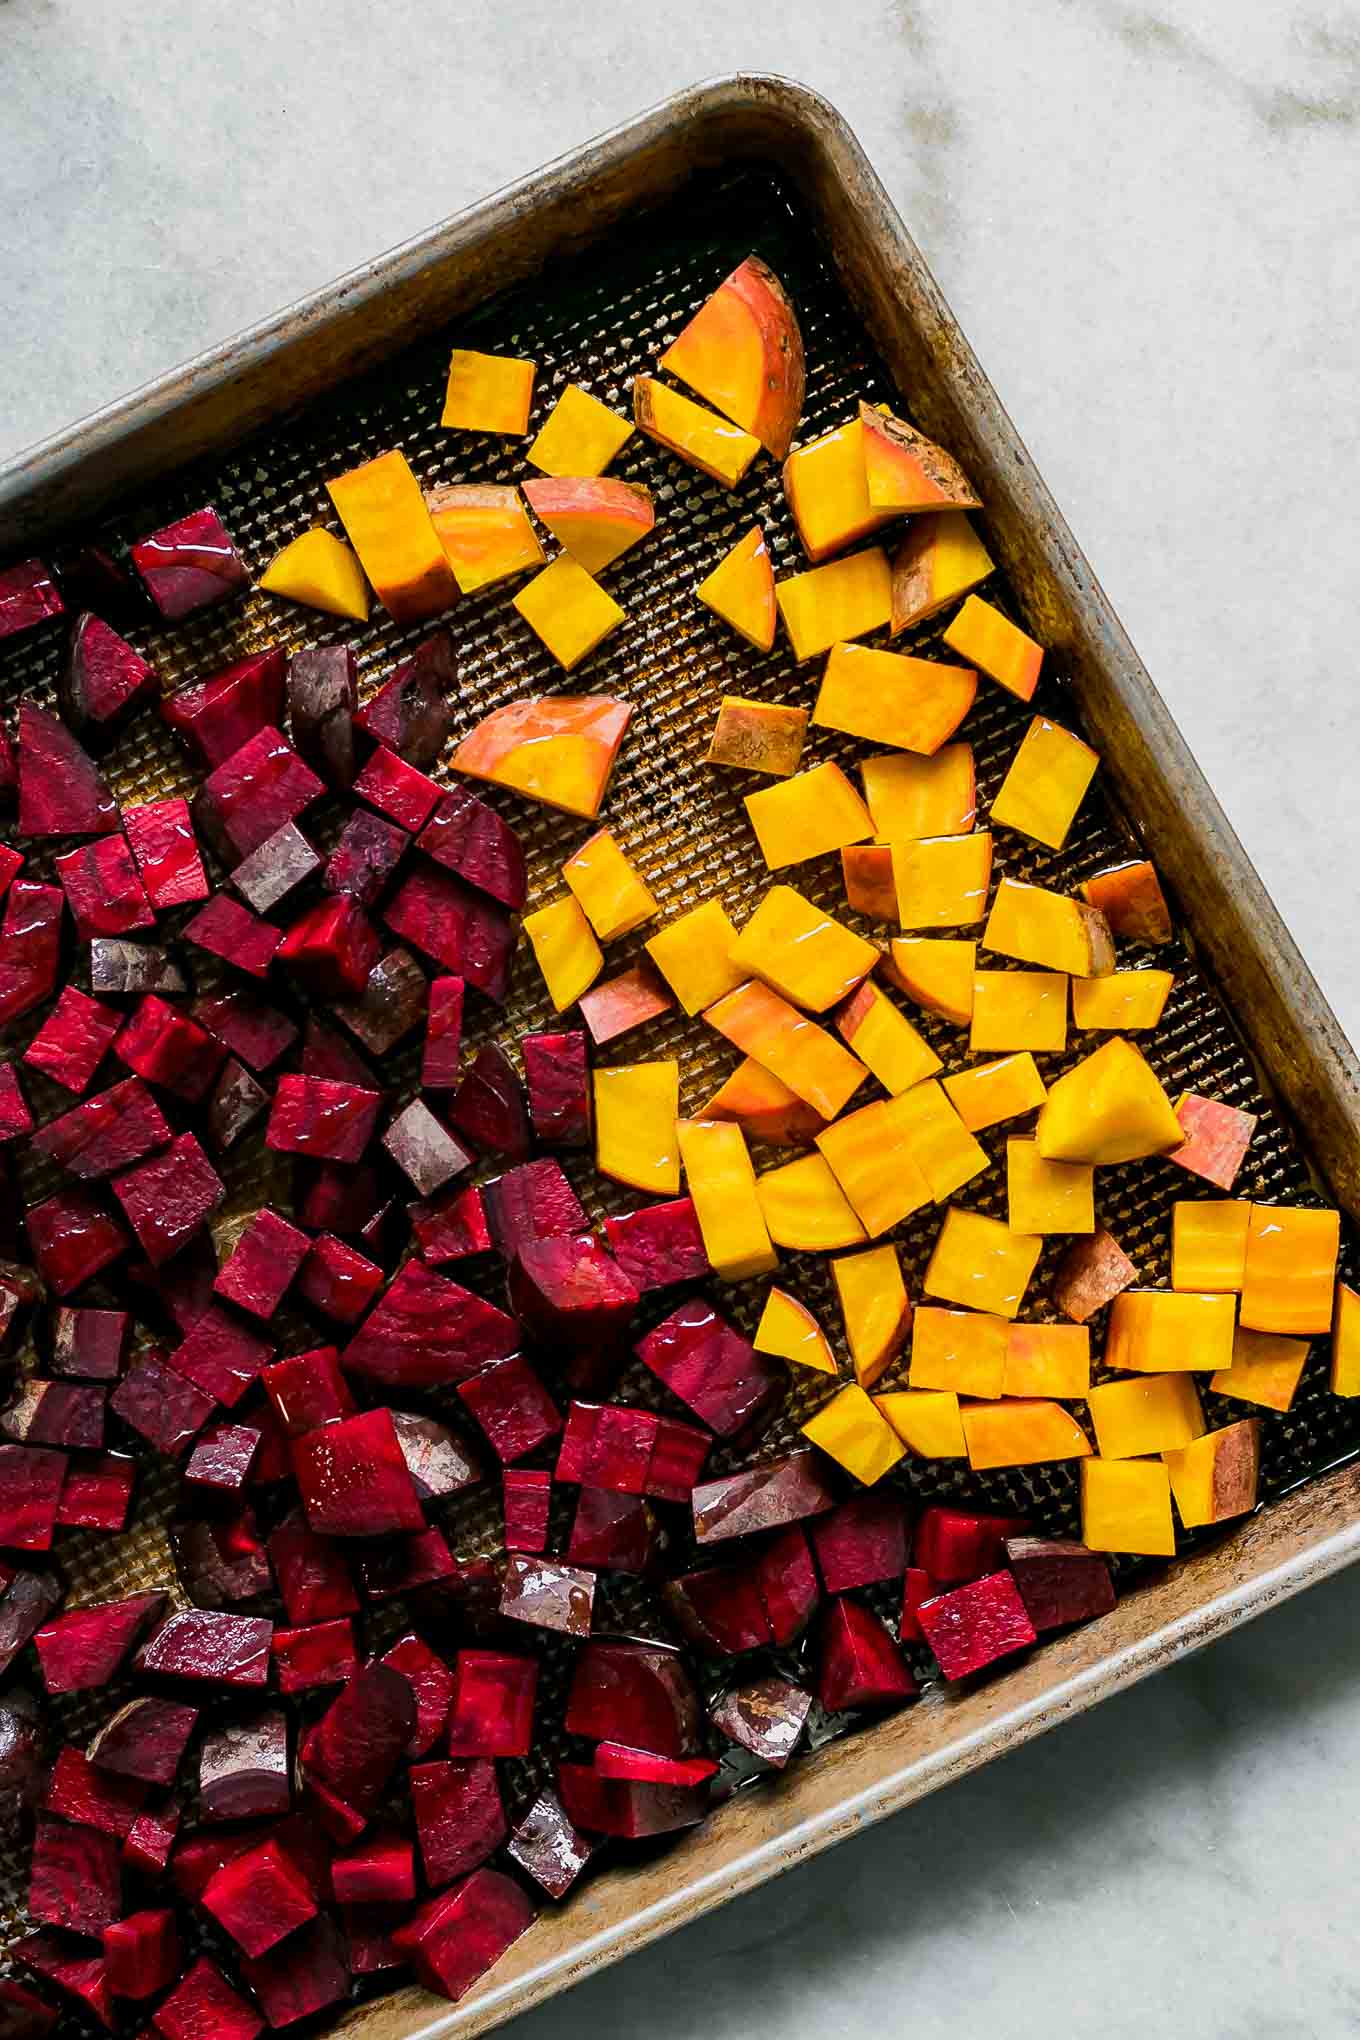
[[214, 717], [203, 2006], [243, 1772], [443, 1035], [611, 1532], [73, 1971], [453, 1229], [634, 1692], [89, 1344], [322, 695], [253, 793], [954, 1545], [74, 1236], [145, 1740], [105, 1133], [167, 1198], [28, 596], [15, 1117], [512, 1407], [324, 1120], [312, 1572], [719, 1611], [257, 1033], [102, 678], [338, 1281], [86, 1647], [457, 928], [23, 1768], [917, 1586], [1059, 1582], [227, 929], [860, 1543], [30, 946], [353, 1479], [527, 1500], [65, 1413], [459, 1817], [318, 1654], [438, 1461], [369, 1947], [151, 1838], [397, 790], [391, 1005], [424, 1150], [707, 1363], [548, 1594], [547, 1847], [432, 1685], [337, 1197], [29, 1597], [457, 1936], [976, 1624], [492, 1713], [470, 839], [331, 949], [257, 1273], [532, 1202], [327, 1054], [160, 1405], [98, 1492], [190, 565], [308, 1389], [168, 1049], [161, 836], [104, 888], [571, 1294], [786, 1580], [120, 969], [298, 1979], [489, 1106], [236, 1103], [210, 1645], [410, 713], [91, 578], [427, 1331], [75, 1878], [860, 1665], [73, 1040], [678, 1458], [282, 862], [61, 790], [142, 1954], [766, 1718], [368, 851], [20, 1289], [761, 1498], [80, 1792], [626, 1808], [361, 1738], [379, 1870], [221, 1560], [221, 1356], [658, 1244], [405, 1565], [176, 1296], [23, 2015], [9, 771]]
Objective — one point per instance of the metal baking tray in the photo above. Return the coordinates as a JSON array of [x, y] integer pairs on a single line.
[[591, 266]]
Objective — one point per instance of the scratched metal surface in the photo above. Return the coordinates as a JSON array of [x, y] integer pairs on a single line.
[[600, 323]]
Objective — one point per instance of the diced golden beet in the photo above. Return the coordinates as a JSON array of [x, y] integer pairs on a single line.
[[850, 1430], [1125, 1002], [743, 353], [1345, 1374], [1148, 1413], [942, 881], [793, 1048], [693, 434], [800, 951], [871, 1158], [565, 950], [319, 570], [488, 392], [1209, 1244], [609, 891], [806, 816], [885, 1041], [980, 1262], [1265, 1368], [1048, 1360], [905, 472], [1089, 1274], [1131, 899], [580, 436], [1169, 1331], [1047, 1197], [1290, 1269], [788, 1329], [1046, 783], [1217, 1137], [1108, 1108], [595, 518], [927, 1420], [758, 736], [869, 886], [1126, 1506], [1035, 925], [888, 698], [826, 489], [996, 1091], [635, 1126], [1021, 1433], [485, 532], [763, 1108], [875, 1308], [740, 590], [963, 1351], [831, 604], [567, 611], [1216, 1478], [940, 558], [805, 1209], [937, 972], [385, 519], [943, 1149], [1019, 1009], [722, 1184], [694, 955], [990, 641], [911, 796], [559, 750]]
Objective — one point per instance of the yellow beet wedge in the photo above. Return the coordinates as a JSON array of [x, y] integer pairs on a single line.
[[319, 570], [980, 1262], [559, 750], [963, 1351], [1345, 1374], [758, 736], [793, 1048], [1265, 1368], [740, 590], [485, 532], [998, 647], [911, 796], [595, 518], [870, 1153], [565, 950], [943, 1149], [722, 1184], [743, 353], [1021, 1433], [936, 973], [694, 955], [385, 520], [1216, 1478], [942, 881], [1047, 1197], [1048, 1360], [610, 893], [806, 816], [1166, 1331], [1019, 1010], [694, 435], [788, 1329], [1290, 1269], [851, 1431], [568, 611], [875, 1309], [995, 1091], [1035, 925], [801, 952], [927, 1420], [905, 471], [940, 558], [1109, 1108], [488, 392], [885, 1040], [827, 493], [1126, 1506], [888, 698], [1209, 1243], [1149, 1413], [636, 1108], [1046, 783], [763, 1107], [805, 1209], [1125, 1002], [868, 874]]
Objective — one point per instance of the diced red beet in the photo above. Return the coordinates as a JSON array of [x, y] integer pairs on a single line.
[[410, 713], [457, 1936], [614, 1008], [227, 929], [620, 1449], [308, 1389], [24, 2016], [257, 1274], [31, 1478], [103, 888], [658, 1244], [489, 1106], [677, 1460], [15, 1117], [20, 1289], [527, 1501], [211, 1645], [548, 1595], [142, 1954], [167, 1198], [577, 1437], [356, 1745], [1059, 1582], [860, 1665], [144, 1741], [303, 1978], [150, 1840], [203, 2006], [27, 1598], [65, 1413], [73, 1040], [318, 1654], [761, 1498], [379, 1870], [397, 790], [719, 1611], [273, 1462], [160, 1404], [424, 1150], [214, 717], [457, 928], [167, 1048], [337, 1280], [786, 1580], [432, 1686], [221, 1560], [74, 1972], [88, 1797], [557, 1077], [161, 836], [120, 969], [178, 1294], [766, 1718], [89, 1344], [236, 1103], [547, 1847], [532, 1202], [630, 1810], [331, 948], [459, 1818], [106, 1133], [391, 1005], [426, 1331], [90, 578], [470, 839], [312, 1573], [322, 696], [512, 1407], [275, 868], [405, 1565], [28, 596], [9, 770], [327, 1054], [102, 678], [860, 1543], [570, 1293], [258, 1034], [324, 1120], [976, 1624], [190, 565], [438, 1461], [251, 794], [75, 1878], [611, 1532], [61, 790], [954, 1545], [30, 946], [11, 861], [617, 1760], [453, 1229], [917, 1586], [243, 1772], [73, 1236], [369, 1947], [366, 854], [221, 1356], [97, 1493], [353, 1479], [707, 1363], [492, 1712]]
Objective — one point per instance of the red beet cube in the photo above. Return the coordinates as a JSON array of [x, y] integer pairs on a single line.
[[571, 1294], [786, 1580], [332, 948], [457, 1936], [28, 596], [167, 1048], [616, 1760], [203, 2006], [460, 1820], [106, 1133], [324, 1120], [359, 1741], [548, 1595], [612, 1532], [30, 946], [76, 1975], [89, 1344], [1059, 1582], [547, 1847], [380, 1870], [15, 1117], [56, 1413], [976, 1624], [98, 1493], [405, 1565], [425, 1151], [312, 1573], [308, 1389], [761, 1498], [319, 1654], [243, 1771], [257, 1273], [678, 1457], [557, 1077], [489, 1106], [353, 1479], [322, 693], [23, 2016], [366, 854], [277, 867], [719, 1611], [620, 1450], [214, 717], [190, 565], [210, 1645], [397, 790], [766, 1718], [103, 888], [73, 1237], [251, 794], [102, 678], [167, 1198], [512, 1406], [160, 1404], [369, 1947], [143, 1741], [956, 1544], [61, 789], [432, 1686], [142, 1954], [225, 928], [89, 1797], [917, 1586], [221, 1356], [617, 1806], [453, 1229], [337, 1280], [75, 1878], [427, 1331], [707, 1363], [860, 1664], [532, 1202], [259, 1897], [860, 1543], [470, 839], [492, 1712], [457, 928], [73, 1040], [161, 836], [410, 713], [658, 1244], [150, 1840], [527, 1501], [258, 1034]]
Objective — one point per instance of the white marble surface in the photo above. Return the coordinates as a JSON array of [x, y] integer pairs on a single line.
[[1146, 219]]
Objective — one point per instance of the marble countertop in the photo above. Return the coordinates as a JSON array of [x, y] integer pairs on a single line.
[[1146, 220]]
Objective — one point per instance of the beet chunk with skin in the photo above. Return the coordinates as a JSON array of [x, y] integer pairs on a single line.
[[761, 1498], [426, 1331], [470, 839], [61, 790], [243, 1771], [548, 1595], [190, 565], [425, 1152], [638, 1693], [108, 1132], [221, 1560], [161, 1405], [489, 1106], [161, 836], [103, 888], [132, 970], [259, 1034], [89, 1344], [439, 1463], [1059, 1582], [611, 1532], [28, 1598], [631, 1810], [322, 695], [145, 1740], [547, 1847], [236, 1103], [283, 862], [432, 1685], [64, 1413], [28, 596], [572, 1294], [354, 1480], [216, 716], [767, 1718], [532, 1202], [102, 678], [324, 1120], [860, 1664], [410, 713], [30, 947], [75, 1878], [73, 1040]]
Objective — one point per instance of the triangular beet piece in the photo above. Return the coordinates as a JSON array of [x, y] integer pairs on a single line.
[[86, 1647], [61, 790], [860, 1665], [426, 1331], [103, 678], [411, 714], [470, 838], [489, 1106]]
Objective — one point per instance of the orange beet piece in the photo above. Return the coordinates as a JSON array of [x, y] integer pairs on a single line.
[[560, 750]]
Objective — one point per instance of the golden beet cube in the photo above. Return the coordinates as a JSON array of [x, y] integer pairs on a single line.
[[1265, 1368], [936, 972], [868, 873], [871, 1158], [740, 590], [1021, 1433], [942, 881], [1131, 899], [1216, 1478], [980, 1262], [1168, 1331], [801, 952], [722, 1184], [788, 1329], [1046, 783], [1035, 925], [927, 1420], [995, 1091], [488, 392], [559, 749], [960, 1350], [826, 491], [943, 1149], [385, 520], [888, 698], [830, 605], [1019, 1009], [1209, 1243], [885, 1040], [793, 1048], [595, 518], [1126, 1506], [757, 736], [1290, 1270], [694, 955], [1345, 1371], [580, 435], [1047, 1197], [568, 611], [1048, 1360], [875, 1308], [1125, 1002], [636, 1106], [940, 558], [998, 647], [565, 950], [1147, 1413], [695, 435], [319, 569], [910, 796], [805, 1209], [608, 890], [485, 532], [850, 1430], [806, 816], [1108, 1108]]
